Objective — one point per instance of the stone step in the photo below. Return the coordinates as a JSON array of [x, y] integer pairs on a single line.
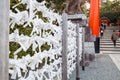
[[110, 52], [117, 43], [108, 46], [107, 42], [109, 31], [110, 49], [105, 39], [106, 35], [112, 28], [108, 39]]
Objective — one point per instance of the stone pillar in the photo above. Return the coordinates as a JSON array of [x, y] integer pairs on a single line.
[[4, 39], [64, 46]]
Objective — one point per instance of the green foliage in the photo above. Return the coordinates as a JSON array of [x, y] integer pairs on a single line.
[[48, 5], [45, 61], [24, 53], [40, 15], [119, 17], [55, 22], [48, 60], [60, 7], [13, 2], [13, 46], [20, 7], [37, 49], [113, 16], [57, 5], [45, 47], [25, 31], [49, 31], [111, 10]]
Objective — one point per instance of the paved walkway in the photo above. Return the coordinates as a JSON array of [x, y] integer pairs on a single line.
[[102, 68], [106, 65], [116, 59]]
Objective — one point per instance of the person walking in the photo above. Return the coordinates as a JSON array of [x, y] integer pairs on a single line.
[[101, 32], [104, 25], [114, 37]]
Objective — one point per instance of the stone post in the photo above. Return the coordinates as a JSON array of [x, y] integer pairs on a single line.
[[4, 39], [64, 46]]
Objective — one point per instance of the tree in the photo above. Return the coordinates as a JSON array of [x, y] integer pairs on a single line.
[[111, 10], [60, 5], [57, 5]]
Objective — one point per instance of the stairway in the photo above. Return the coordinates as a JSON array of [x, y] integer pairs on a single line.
[[106, 45]]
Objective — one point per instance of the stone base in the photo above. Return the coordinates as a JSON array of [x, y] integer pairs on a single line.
[[88, 59]]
